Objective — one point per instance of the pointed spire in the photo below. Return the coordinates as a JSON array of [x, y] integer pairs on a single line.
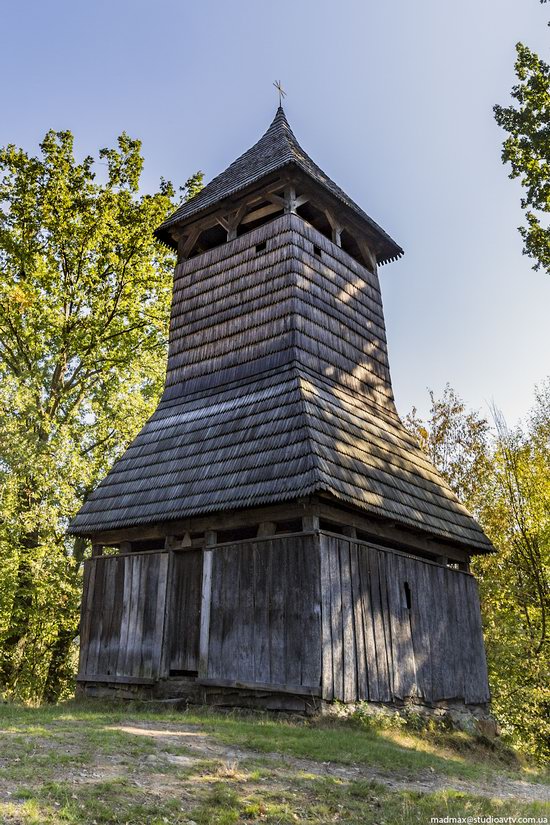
[[277, 148]]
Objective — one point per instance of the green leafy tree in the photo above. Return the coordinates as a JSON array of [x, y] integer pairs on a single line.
[[503, 477], [527, 150], [84, 305], [456, 440]]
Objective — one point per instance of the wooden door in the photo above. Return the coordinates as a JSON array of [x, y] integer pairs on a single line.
[[183, 614]]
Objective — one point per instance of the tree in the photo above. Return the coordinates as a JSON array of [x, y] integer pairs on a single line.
[[503, 476], [527, 149], [84, 305], [457, 442]]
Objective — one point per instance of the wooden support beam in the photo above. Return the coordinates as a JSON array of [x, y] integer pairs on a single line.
[[336, 227], [276, 199], [260, 213], [310, 522], [97, 550], [206, 596], [387, 531], [367, 254], [234, 219], [189, 243], [224, 520], [290, 198], [125, 547], [299, 690]]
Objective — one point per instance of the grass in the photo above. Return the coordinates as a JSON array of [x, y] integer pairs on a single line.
[[92, 764]]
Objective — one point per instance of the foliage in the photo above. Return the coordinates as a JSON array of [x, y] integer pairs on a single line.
[[455, 440], [527, 149], [84, 304], [508, 488]]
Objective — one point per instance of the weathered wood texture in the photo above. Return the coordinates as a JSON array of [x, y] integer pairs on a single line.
[[277, 387], [265, 622], [183, 611], [396, 627], [123, 616]]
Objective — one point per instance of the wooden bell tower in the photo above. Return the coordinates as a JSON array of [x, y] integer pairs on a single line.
[[281, 539]]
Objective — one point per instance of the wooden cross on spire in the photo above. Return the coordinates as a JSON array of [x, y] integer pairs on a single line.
[[281, 91]]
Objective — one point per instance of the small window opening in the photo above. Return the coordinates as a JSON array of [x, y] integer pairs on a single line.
[[316, 218], [184, 673], [291, 526], [332, 527], [147, 544], [317, 251], [407, 595], [260, 247], [209, 239], [237, 534]]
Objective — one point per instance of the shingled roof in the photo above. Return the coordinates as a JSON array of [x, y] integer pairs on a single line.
[[276, 149], [286, 435]]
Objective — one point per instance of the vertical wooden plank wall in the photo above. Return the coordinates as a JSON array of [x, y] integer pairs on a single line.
[[123, 617], [378, 647], [265, 619]]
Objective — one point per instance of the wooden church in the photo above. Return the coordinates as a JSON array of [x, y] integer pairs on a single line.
[[275, 535]]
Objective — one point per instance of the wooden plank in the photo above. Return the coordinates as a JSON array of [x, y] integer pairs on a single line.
[[135, 627], [147, 607], [216, 618], [336, 618], [160, 615], [359, 624], [262, 573], [294, 609], [327, 674], [277, 664], [120, 668], [348, 624], [311, 635], [85, 613], [114, 678], [425, 647], [439, 618], [114, 631], [476, 686], [382, 630], [244, 615], [166, 634], [300, 690], [374, 693], [206, 595], [404, 665], [96, 620], [230, 571], [406, 571]]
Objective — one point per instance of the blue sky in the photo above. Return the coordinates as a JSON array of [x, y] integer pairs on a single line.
[[393, 100]]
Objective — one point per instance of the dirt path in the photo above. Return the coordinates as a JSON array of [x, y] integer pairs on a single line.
[[202, 746]]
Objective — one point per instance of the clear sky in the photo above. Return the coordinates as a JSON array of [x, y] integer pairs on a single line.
[[393, 100]]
